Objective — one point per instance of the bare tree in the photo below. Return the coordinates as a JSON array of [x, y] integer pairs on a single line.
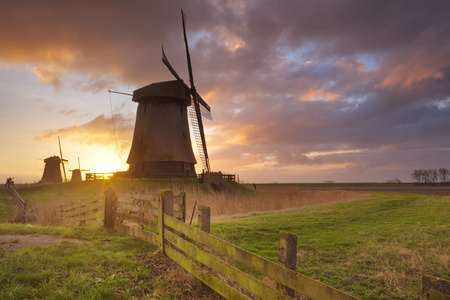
[[434, 175], [443, 174]]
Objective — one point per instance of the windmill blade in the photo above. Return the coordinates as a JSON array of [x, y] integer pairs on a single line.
[[206, 113], [205, 106], [62, 160], [202, 102], [196, 96], [188, 56], [198, 138], [172, 70]]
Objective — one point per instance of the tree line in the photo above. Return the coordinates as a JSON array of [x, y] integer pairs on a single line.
[[441, 175]]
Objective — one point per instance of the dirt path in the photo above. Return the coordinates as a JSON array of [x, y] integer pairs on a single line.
[[16, 241]]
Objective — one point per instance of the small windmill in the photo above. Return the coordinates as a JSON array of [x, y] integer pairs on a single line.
[[63, 161], [76, 173], [201, 108]]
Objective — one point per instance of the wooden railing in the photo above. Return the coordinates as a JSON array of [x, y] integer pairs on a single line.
[[99, 176], [203, 255], [20, 203], [83, 212], [160, 220]]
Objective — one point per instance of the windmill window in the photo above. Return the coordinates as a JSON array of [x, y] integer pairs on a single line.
[[145, 107]]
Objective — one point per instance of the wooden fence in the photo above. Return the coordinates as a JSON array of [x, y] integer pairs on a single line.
[[20, 203], [160, 220], [208, 258], [83, 212]]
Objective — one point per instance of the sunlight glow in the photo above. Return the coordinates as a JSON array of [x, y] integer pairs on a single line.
[[318, 153]]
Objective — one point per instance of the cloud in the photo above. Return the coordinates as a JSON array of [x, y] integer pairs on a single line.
[[98, 131], [362, 84], [48, 75]]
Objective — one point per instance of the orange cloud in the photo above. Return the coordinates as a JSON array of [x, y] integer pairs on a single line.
[[413, 71], [49, 75], [319, 94], [98, 131]]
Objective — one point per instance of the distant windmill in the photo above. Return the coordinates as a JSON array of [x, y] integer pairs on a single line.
[[76, 173], [161, 144], [52, 169], [63, 161]]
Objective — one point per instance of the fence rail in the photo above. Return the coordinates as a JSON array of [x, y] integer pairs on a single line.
[[185, 244], [83, 212], [20, 203]]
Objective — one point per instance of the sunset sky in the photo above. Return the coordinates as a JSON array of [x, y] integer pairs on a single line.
[[300, 91]]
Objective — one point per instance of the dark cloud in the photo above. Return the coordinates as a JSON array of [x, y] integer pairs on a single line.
[[355, 84]]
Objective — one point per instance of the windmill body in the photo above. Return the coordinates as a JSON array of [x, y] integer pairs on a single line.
[[52, 170], [161, 144], [76, 175]]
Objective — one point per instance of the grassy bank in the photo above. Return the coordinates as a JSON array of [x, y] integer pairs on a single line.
[[98, 265], [375, 249]]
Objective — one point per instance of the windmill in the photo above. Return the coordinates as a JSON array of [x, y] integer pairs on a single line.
[[76, 173], [63, 161], [161, 145], [201, 108], [52, 169]]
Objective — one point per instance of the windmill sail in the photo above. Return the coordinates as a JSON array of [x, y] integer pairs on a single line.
[[201, 108], [197, 135], [62, 160]]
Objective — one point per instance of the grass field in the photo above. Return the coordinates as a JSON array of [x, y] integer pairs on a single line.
[[375, 247]]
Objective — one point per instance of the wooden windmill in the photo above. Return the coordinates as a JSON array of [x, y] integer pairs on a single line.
[[52, 169], [161, 144], [76, 173]]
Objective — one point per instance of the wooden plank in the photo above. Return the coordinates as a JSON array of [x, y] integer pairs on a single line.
[[75, 205], [136, 219], [178, 199], [137, 232], [143, 197], [161, 224], [244, 280], [137, 208], [93, 215], [296, 281], [213, 282], [287, 255], [79, 222], [84, 210]]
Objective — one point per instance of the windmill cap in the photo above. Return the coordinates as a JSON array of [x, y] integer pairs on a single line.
[[171, 89], [53, 159]]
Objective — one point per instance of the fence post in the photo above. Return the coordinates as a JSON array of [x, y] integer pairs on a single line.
[[165, 207], [109, 208], [183, 204], [204, 218], [434, 288], [287, 256]]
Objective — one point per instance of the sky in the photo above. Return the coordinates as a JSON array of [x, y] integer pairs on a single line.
[[300, 91]]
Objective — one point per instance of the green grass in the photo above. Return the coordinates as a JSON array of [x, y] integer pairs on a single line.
[[104, 265], [6, 205], [377, 248]]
